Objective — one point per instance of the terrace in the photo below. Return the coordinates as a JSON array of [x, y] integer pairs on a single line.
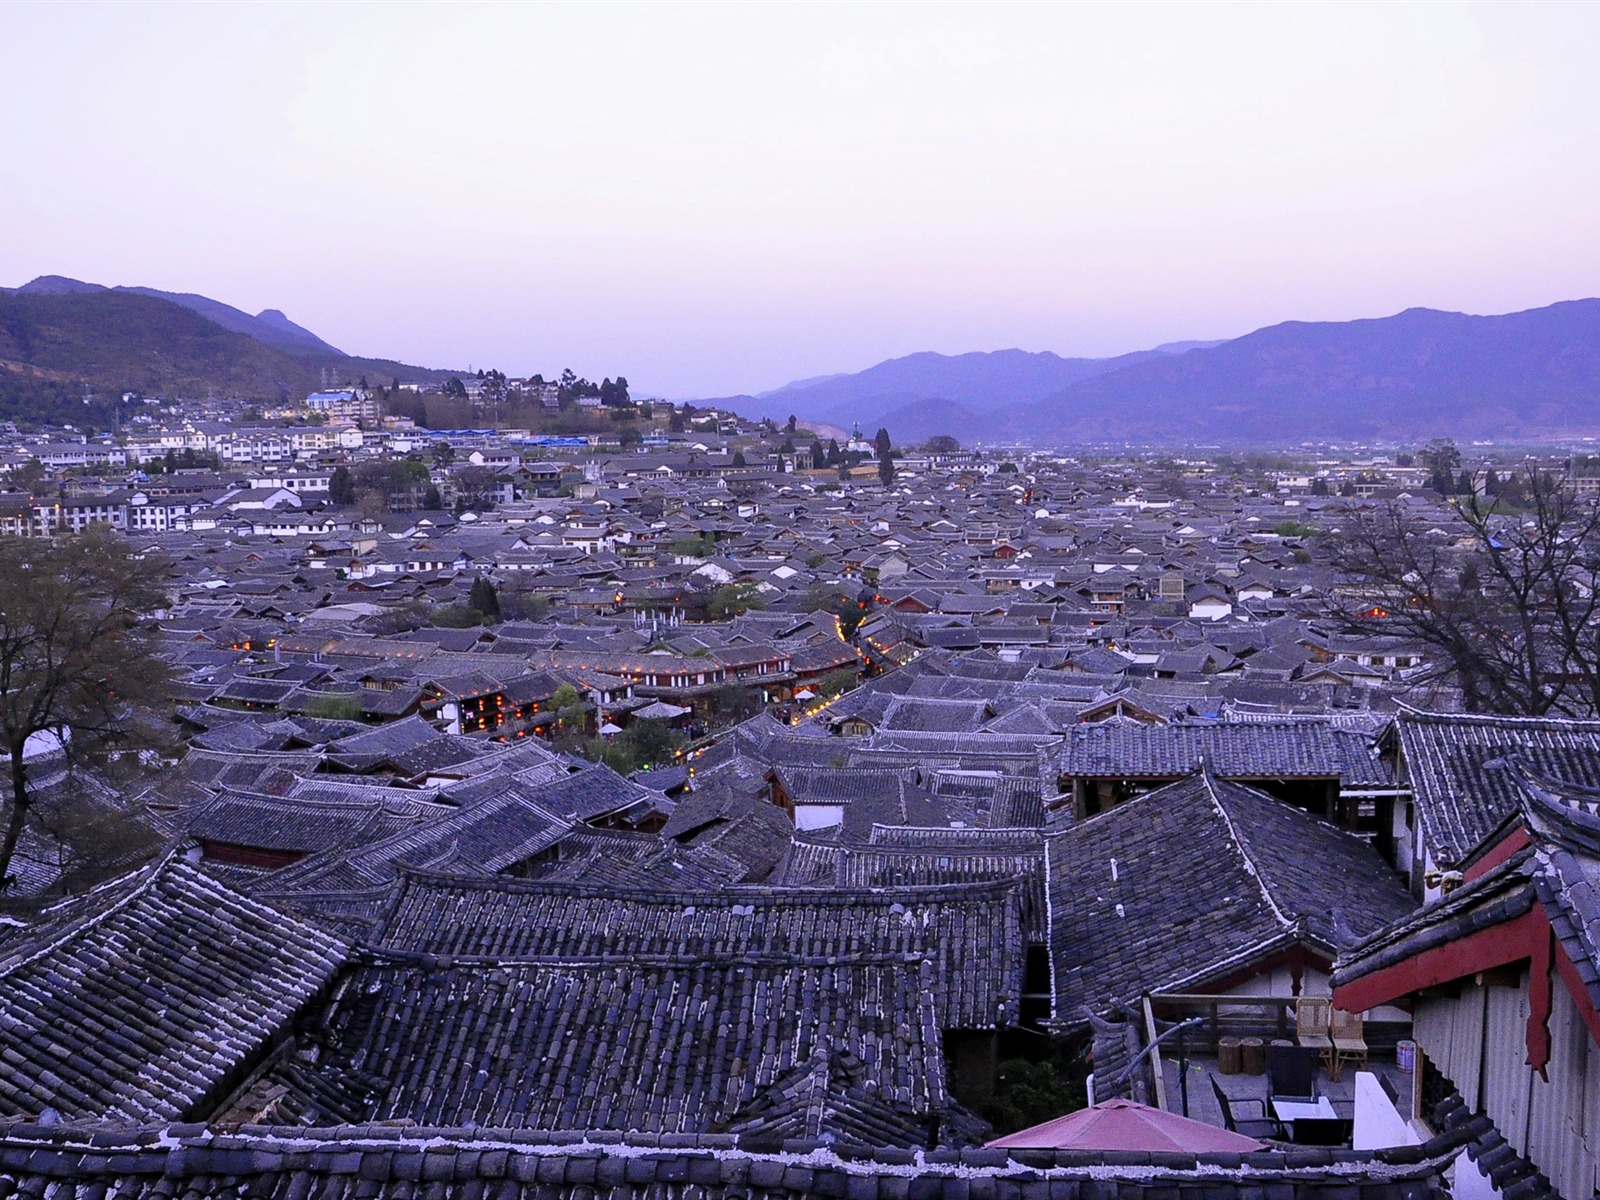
[[1226, 1049]]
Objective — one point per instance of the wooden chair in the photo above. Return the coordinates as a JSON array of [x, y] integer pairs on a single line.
[[1311, 1017], [1347, 1032]]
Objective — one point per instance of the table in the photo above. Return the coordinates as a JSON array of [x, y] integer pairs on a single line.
[[1321, 1123], [1304, 1110]]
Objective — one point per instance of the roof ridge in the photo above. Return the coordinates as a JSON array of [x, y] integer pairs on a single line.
[[1244, 851], [77, 928]]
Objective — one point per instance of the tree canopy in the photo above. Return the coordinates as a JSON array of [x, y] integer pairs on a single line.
[[735, 598], [1508, 602], [78, 660]]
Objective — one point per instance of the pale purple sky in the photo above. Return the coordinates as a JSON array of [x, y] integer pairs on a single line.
[[721, 198]]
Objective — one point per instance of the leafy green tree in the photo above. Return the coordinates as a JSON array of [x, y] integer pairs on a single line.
[[524, 606], [651, 743], [341, 486], [571, 711], [735, 598], [484, 598], [29, 476], [335, 707], [733, 702], [455, 616], [738, 459], [78, 656], [1295, 529], [1030, 1093], [401, 482], [835, 683], [1443, 460], [475, 488], [695, 546]]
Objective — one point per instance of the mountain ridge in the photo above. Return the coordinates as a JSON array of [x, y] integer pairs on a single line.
[[1418, 373], [270, 326], [68, 350]]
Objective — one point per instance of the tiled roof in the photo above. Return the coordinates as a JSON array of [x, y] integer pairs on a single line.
[[1559, 869], [970, 933], [650, 1046], [1196, 880], [139, 1000], [1460, 795], [365, 1161], [1242, 750]]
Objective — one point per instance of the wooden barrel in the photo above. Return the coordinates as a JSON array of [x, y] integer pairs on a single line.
[[1228, 1055], [1253, 1056]]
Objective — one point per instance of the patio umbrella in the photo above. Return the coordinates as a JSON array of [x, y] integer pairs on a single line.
[[1123, 1125]]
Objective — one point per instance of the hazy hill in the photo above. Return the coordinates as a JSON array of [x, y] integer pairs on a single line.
[[1415, 375], [269, 327], [1418, 374], [61, 340], [967, 384]]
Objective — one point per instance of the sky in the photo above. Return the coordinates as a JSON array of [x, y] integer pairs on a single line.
[[715, 199]]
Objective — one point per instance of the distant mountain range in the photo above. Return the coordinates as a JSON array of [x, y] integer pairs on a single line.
[[1415, 375], [67, 348]]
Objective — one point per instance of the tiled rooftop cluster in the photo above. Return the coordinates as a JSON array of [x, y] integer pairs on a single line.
[[1104, 744]]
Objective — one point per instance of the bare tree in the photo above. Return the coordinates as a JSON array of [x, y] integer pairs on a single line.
[[78, 657], [1508, 597]]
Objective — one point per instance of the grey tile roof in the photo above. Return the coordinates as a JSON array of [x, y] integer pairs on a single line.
[[1458, 800], [1195, 881], [969, 933], [891, 867], [1558, 869], [360, 1162], [653, 1046], [138, 1000], [496, 832], [1232, 750]]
